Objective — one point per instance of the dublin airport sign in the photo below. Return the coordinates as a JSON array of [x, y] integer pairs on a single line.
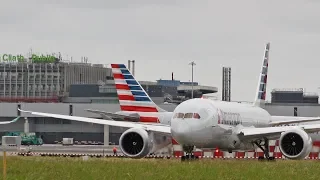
[[34, 58]]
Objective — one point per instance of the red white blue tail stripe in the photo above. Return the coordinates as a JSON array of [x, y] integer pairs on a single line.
[[132, 96], [261, 92]]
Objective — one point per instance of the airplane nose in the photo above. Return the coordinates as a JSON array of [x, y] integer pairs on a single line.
[[180, 132]]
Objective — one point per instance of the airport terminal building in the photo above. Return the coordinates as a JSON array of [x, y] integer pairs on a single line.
[[71, 88]]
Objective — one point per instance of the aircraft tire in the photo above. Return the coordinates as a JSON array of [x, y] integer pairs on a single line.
[[271, 158], [183, 158], [260, 158]]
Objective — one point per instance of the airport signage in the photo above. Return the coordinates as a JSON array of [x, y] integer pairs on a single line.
[[10, 58], [43, 59]]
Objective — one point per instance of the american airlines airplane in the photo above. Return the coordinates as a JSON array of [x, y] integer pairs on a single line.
[[201, 123]]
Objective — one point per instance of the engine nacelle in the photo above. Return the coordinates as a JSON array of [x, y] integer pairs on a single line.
[[295, 144], [138, 143]]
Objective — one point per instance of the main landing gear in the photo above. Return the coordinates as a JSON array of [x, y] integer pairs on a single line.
[[189, 153], [265, 149]]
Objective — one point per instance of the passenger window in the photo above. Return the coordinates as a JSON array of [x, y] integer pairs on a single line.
[[196, 116]]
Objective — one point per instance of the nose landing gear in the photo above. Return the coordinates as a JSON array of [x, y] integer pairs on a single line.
[[189, 153]]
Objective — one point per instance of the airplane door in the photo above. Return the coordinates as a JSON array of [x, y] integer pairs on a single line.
[[207, 116]]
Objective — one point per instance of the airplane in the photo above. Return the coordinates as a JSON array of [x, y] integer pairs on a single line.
[[203, 123], [12, 121]]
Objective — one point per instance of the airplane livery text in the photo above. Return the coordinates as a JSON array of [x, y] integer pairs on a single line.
[[229, 118]]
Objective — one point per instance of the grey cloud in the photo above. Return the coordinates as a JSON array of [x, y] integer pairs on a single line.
[[109, 4], [164, 36], [292, 16], [13, 13]]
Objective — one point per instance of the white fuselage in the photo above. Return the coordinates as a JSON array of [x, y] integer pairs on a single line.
[[217, 123]]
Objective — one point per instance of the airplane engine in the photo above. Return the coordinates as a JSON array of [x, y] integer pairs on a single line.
[[138, 143], [295, 144]]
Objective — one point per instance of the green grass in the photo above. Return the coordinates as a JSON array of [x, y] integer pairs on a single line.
[[50, 168]]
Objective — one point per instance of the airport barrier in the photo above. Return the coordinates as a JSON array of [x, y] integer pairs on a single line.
[[274, 150], [205, 154]]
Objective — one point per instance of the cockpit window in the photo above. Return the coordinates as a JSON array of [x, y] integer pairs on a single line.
[[180, 115], [196, 116], [188, 115]]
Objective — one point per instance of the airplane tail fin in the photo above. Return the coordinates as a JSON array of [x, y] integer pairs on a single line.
[[262, 84], [132, 96]]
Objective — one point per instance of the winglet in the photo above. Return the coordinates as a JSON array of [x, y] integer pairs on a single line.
[[24, 111], [21, 110], [12, 121], [16, 119]]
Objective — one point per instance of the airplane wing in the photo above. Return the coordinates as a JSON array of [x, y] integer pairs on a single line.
[[157, 127], [273, 132], [8, 122], [108, 115], [281, 120]]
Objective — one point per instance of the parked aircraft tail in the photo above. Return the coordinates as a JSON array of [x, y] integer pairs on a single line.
[[262, 84], [132, 96]]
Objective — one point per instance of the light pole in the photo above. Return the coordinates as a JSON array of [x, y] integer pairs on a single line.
[[133, 64], [192, 64]]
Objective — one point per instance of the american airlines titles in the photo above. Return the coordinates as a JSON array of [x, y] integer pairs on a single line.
[[229, 118]]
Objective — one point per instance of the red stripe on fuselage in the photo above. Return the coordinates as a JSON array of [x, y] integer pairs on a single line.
[[138, 108], [118, 76], [122, 86], [126, 97], [115, 65]]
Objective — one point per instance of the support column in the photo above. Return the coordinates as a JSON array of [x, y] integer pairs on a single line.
[[106, 135], [26, 125]]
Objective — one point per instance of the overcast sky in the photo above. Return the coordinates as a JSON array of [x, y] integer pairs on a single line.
[[163, 36]]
